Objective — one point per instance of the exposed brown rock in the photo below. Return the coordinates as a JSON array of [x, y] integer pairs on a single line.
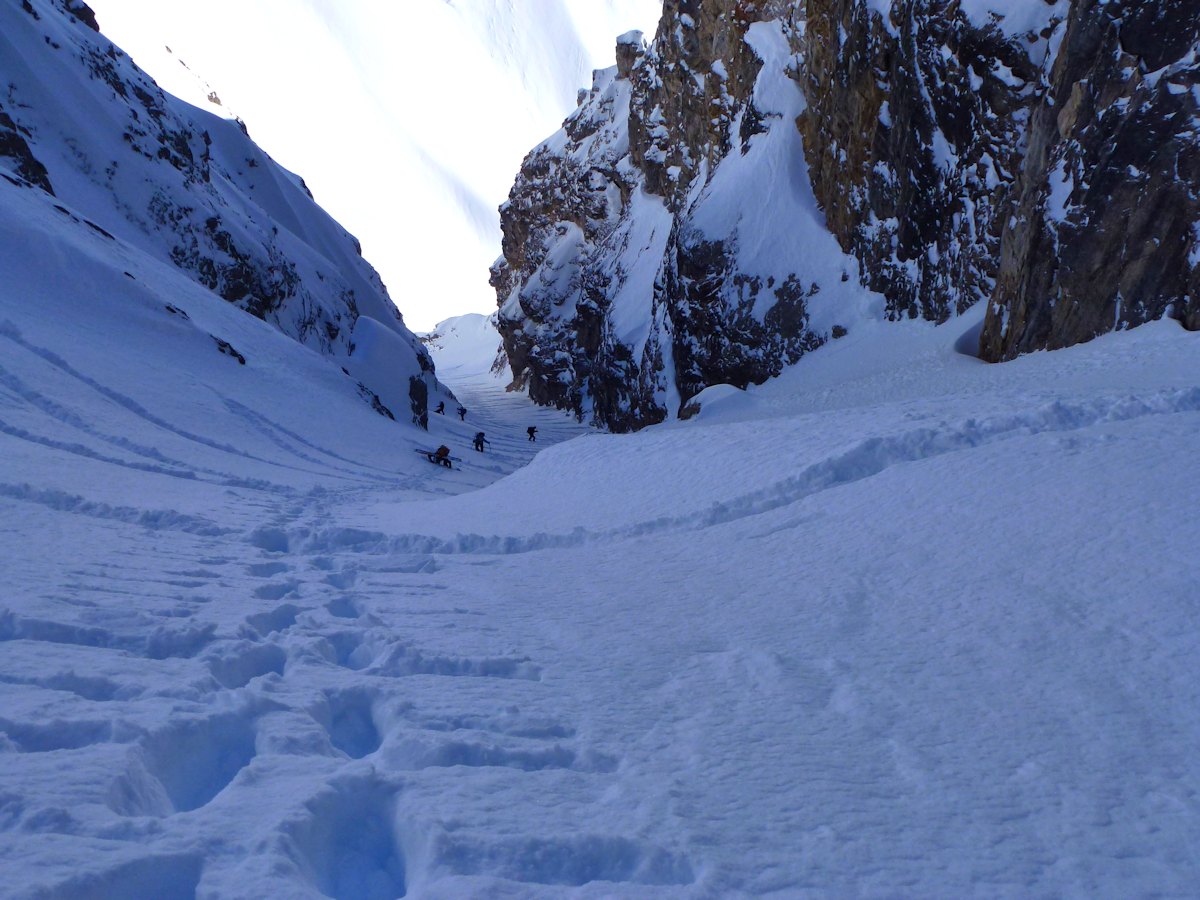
[[1103, 236]]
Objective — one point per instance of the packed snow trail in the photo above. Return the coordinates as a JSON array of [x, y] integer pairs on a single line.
[[896, 623]]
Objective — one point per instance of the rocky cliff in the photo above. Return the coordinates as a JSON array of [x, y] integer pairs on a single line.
[[762, 175], [83, 124], [914, 132], [1105, 233], [667, 238]]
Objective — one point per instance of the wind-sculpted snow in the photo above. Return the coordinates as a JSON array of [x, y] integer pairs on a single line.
[[716, 504], [75, 504]]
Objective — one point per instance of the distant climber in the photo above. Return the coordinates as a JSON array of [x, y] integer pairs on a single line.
[[480, 440], [441, 408], [462, 412], [532, 432]]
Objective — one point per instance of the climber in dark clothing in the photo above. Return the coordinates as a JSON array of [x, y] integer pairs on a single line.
[[441, 408], [480, 440], [462, 412], [532, 432]]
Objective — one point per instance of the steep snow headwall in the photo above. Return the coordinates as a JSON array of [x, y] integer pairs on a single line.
[[81, 122], [720, 200], [411, 86]]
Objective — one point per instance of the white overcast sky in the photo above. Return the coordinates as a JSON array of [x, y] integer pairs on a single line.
[[407, 118]]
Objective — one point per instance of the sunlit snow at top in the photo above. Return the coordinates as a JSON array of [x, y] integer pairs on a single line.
[[408, 121]]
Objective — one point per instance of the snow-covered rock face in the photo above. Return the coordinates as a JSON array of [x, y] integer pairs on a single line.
[[667, 238], [1104, 232], [914, 132], [718, 203], [1041, 155], [81, 122]]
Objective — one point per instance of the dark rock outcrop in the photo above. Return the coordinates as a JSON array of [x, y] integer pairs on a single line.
[[83, 13], [18, 158], [1104, 234], [914, 133]]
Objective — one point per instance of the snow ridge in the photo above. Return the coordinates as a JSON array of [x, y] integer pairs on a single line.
[[866, 459]]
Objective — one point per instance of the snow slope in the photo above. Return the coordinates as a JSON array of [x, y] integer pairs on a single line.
[[467, 346], [151, 173], [425, 110], [897, 623]]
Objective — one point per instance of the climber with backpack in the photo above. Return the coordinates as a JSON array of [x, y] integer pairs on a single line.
[[441, 456], [480, 440]]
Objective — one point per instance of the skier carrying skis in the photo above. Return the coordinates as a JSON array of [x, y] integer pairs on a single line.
[[480, 440], [532, 432], [442, 453]]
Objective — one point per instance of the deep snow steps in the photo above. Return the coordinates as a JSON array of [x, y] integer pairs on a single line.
[[351, 721], [88, 687], [185, 765], [267, 569], [267, 623], [234, 665], [345, 841], [54, 734], [342, 607], [342, 580]]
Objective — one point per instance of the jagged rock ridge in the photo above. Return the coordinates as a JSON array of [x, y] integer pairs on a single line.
[[675, 233], [80, 121]]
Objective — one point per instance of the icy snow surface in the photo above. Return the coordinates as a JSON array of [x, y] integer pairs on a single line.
[[896, 624]]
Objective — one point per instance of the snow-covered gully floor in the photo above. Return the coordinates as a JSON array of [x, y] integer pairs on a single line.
[[898, 624]]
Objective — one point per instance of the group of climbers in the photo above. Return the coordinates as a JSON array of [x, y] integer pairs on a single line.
[[462, 410], [442, 454]]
